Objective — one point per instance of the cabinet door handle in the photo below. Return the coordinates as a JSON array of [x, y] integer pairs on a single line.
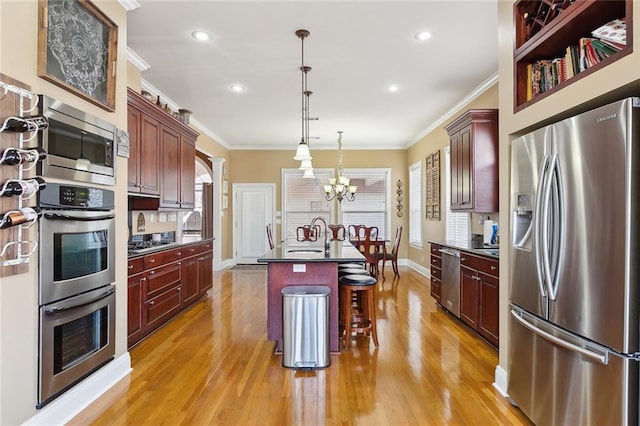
[[152, 302], [493, 268], [178, 288], [152, 261], [463, 258], [130, 266], [179, 263], [152, 272], [179, 253]]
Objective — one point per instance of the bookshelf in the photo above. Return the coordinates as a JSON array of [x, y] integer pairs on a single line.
[[544, 29]]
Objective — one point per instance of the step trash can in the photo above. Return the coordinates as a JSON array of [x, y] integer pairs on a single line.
[[305, 327]]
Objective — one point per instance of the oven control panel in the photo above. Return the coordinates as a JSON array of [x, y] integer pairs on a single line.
[[62, 196]]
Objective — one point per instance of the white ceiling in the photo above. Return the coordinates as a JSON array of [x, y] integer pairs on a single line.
[[356, 50]]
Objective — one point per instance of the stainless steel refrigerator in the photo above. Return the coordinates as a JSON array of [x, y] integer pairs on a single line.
[[575, 266]]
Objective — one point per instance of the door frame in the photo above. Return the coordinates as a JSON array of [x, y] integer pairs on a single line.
[[237, 188]]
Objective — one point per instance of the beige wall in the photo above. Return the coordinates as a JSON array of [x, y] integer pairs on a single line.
[[18, 294], [266, 167], [438, 140]]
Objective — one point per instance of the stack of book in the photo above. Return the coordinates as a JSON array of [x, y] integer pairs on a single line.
[[545, 74]]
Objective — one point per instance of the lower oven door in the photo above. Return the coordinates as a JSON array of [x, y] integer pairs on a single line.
[[77, 336], [77, 252]]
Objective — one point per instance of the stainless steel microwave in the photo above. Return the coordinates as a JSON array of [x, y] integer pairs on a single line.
[[79, 146]]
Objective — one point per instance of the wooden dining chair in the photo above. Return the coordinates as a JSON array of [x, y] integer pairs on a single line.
[[307, 233], [338, 232], [270, 236], [393, 255], [369, 249]]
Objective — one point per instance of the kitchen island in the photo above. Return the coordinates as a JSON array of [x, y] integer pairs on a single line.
[[297, 264]]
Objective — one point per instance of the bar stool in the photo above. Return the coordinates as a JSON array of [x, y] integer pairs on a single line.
[[352, 271], [350, 265], [362, 320]]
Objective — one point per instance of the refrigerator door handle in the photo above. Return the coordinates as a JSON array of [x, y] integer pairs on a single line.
[[545, 219], [556, 177], [602, 358], [537, 222]]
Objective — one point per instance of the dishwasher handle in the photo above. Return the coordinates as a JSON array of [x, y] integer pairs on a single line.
[[450, 252]]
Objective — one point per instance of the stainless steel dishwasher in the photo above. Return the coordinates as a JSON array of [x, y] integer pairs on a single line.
[[450, 287]]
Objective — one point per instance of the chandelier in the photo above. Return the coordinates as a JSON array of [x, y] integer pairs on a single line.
[[339, 186], [302, 152]]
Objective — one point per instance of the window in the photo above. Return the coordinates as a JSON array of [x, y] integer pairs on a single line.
[[458, 225], [372, 202], [415, 204], [303, 199], [192, 221]]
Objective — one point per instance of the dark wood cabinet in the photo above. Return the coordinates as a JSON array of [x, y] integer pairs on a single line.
[[178, 170], [436, 271], [474, 161], [162, 155], [479, 295], [548, 38], [144, 148], [162, 284]]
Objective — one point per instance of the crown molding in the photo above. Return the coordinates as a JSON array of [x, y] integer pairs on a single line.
[[129, 5]]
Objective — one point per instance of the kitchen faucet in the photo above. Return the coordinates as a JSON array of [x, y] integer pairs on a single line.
[[326, 232]]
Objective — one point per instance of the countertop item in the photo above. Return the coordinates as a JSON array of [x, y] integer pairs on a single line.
[[133, 253], [339, 251], [491, 250]]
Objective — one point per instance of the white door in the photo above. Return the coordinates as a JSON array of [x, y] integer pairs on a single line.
[[252, 211]]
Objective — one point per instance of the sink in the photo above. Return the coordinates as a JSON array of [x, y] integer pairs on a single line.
[[304, 251]]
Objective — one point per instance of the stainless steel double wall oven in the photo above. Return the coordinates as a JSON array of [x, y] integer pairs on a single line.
[[76, 285]]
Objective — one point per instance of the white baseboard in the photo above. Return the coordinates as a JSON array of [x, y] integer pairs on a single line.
[[226, 264], [71, 403], [418, 268], [500, 377]]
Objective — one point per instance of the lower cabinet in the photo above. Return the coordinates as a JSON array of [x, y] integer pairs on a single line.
[[479, 295], [162, 284]]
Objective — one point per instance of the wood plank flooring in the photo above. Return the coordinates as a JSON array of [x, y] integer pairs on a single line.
[[213, 365]]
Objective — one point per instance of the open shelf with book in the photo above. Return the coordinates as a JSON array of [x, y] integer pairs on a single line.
[[551, 35]]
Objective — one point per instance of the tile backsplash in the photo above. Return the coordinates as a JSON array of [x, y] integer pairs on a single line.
[[151, 221]]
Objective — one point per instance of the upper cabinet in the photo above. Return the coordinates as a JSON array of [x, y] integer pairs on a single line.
[[553, 44], [161, 155], [474, 161]]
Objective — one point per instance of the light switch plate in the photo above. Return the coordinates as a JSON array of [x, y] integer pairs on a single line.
[[299, 267]]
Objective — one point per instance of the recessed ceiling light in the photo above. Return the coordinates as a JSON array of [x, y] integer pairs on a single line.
[[237, 88], [393, 88], [201, 35], [423, 36]]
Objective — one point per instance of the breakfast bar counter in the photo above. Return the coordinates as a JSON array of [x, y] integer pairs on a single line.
[[304, 264]]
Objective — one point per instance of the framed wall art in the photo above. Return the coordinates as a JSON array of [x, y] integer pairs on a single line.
[[77, 49]]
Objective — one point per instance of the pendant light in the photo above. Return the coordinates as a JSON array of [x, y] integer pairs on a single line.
[[302, 152]]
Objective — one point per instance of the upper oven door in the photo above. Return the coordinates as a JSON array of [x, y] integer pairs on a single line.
[[77, 252]]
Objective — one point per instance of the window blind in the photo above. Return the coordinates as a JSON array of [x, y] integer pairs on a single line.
[[372, 199], [303, 199], [415, 204]]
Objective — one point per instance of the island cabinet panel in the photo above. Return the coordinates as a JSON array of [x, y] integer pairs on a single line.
[[436, 271], [282, 275], [162, 284]]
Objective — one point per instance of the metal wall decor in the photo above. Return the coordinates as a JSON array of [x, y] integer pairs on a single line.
[[432, 186], [399, 198], [77, 49]]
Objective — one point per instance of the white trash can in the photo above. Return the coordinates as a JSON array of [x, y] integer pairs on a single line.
[[305, 327]]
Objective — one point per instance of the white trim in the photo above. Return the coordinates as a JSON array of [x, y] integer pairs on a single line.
[[137, 60], [129, 5], [217, 163], [76, 399], [500, 384], [419, 268], [483, 87], [236, 188]]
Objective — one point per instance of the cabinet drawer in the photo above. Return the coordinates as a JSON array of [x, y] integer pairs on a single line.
[[160, 258], [135, 265], [436, 261], [483, 264], [160, 279], [436, 272], [435, 250], [162, 307]]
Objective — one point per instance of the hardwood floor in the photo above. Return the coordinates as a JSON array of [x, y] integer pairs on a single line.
[[214, 365]]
